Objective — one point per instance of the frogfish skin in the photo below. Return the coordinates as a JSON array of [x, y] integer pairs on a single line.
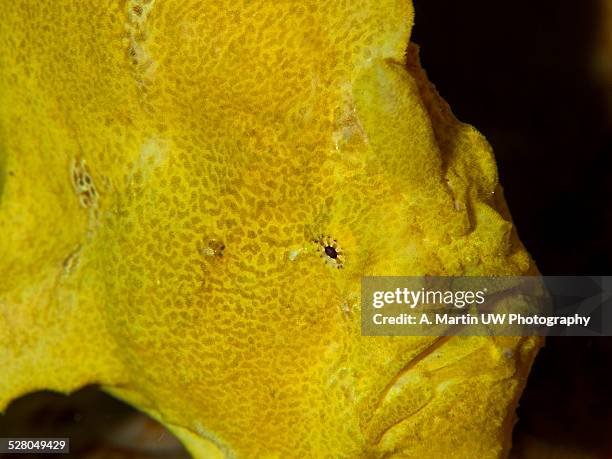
[[173, 178]]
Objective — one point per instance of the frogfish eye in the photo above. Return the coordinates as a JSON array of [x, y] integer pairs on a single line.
[[331, 252]]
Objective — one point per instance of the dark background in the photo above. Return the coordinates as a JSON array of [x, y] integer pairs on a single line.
[[531, 76]]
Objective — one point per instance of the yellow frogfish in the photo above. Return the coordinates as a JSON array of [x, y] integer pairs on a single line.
[[190, 194]]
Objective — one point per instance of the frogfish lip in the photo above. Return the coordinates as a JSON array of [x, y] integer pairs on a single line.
[[411, 390], [397, 402]]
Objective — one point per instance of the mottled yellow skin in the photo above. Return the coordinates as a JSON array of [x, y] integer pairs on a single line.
[[167, 168]]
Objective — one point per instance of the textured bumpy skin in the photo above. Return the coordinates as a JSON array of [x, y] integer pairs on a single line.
[[169, 173]]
